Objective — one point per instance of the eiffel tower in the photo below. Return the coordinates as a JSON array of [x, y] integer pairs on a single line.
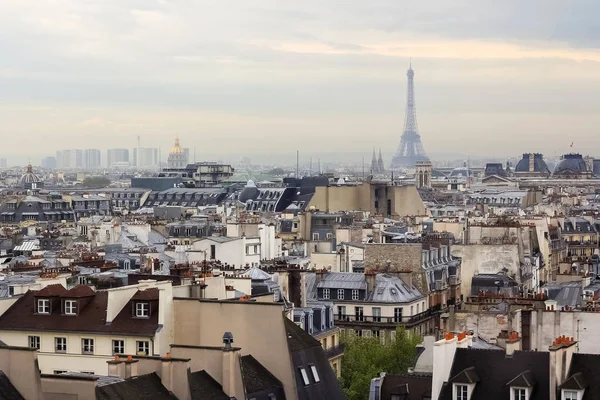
[[411, 149]]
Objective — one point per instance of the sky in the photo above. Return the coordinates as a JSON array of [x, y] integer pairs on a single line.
[[492, 78]]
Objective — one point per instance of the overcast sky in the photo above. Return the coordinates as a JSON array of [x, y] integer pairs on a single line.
[[492, 77]]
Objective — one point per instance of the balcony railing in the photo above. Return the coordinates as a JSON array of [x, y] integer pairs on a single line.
[[335, 351], [343, 319]]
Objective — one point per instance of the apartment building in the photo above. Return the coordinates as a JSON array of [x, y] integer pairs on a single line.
[[81, 328]]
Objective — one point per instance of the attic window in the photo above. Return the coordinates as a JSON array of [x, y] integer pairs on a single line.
[[43, 306], [70, 307], [519, 394], [142, 310], [461, 392], [304, 376], [315, 375], [569, 395]]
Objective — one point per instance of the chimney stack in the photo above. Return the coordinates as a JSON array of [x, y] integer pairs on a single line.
[[513, 343], [561, 352], [371, 279]]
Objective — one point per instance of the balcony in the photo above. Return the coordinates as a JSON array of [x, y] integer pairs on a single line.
[[454, 280], [335, 351], [345, 319]]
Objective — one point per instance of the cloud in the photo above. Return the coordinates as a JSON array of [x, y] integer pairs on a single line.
[[275, 68]]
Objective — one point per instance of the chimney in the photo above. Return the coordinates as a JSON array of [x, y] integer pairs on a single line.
[[116, 367], [443, 356], [406, 277], [320, 274], [230, 354], [513, 343], [561, 352], [371, 279], [174, 376], [156, 265], [131, 367]]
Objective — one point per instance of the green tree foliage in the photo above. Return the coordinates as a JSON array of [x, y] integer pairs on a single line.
[[93, 181], [364, 358]]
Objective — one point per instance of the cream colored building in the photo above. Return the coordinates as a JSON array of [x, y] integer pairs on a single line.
[[79, 329]]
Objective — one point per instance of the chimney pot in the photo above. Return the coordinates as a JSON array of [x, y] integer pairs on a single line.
[[129, 358]]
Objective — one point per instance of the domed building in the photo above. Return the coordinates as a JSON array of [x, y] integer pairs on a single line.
[[572, 166], [30, 180], [178, 156], [532, 165]]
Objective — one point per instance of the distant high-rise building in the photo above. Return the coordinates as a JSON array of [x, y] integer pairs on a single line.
[[93, 158], [3, 163], [49, 162], [116, 156], [145, 157], [411, 149], [70, 159]]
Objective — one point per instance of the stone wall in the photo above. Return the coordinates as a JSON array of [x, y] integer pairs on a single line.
[[399, 257]]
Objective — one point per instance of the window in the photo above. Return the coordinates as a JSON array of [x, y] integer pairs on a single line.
[[520, 394], [70, 307], [341, 312], [118, 346], [142, 310], [359, 313], [43, 306], [34, 342], [304, 376], [461, 392], [87, 346], [340, 294], [329, 236], [11, 290], [60, 344], [213, 251], [315, 236], [126, 264], [354, 294], [143, 347], [398, 314], [569, 395], [376, 314], [325, 293], [315, 375]]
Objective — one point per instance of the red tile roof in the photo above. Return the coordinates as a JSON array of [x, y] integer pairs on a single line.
[[148, 294], [78, 291], [51, 291], [91, 318]]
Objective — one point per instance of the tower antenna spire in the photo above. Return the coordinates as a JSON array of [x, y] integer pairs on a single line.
[[411, 148]]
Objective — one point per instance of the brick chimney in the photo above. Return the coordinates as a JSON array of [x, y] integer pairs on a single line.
[[513, 343], [371, 280], [561, 352]]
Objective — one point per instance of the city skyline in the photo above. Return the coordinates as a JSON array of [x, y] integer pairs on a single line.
[[331, 74]]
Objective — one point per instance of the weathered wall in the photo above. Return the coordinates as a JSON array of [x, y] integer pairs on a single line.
[[485, 259], [584, 327], [400, 256], [486, 324]]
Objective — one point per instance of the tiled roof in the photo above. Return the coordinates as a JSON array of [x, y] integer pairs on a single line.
[[298, 339], [91, 318], [494, 371], [51, 291], [415, 387], [7, 390], [204, 387], [256, 377], [146, 387], [148, 294], [79, 291]]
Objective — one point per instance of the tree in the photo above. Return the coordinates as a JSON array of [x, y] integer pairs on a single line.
[[96, 181], [364, 358]]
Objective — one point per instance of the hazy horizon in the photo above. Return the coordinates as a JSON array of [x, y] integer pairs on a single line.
[[232, 77]]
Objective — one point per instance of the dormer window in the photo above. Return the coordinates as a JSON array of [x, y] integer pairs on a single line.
[[43, 306], [570, 395], [70, 307], [461, 392], [518, 394], [142, 310]]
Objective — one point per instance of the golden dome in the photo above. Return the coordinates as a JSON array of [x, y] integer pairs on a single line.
[[176, 149]]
